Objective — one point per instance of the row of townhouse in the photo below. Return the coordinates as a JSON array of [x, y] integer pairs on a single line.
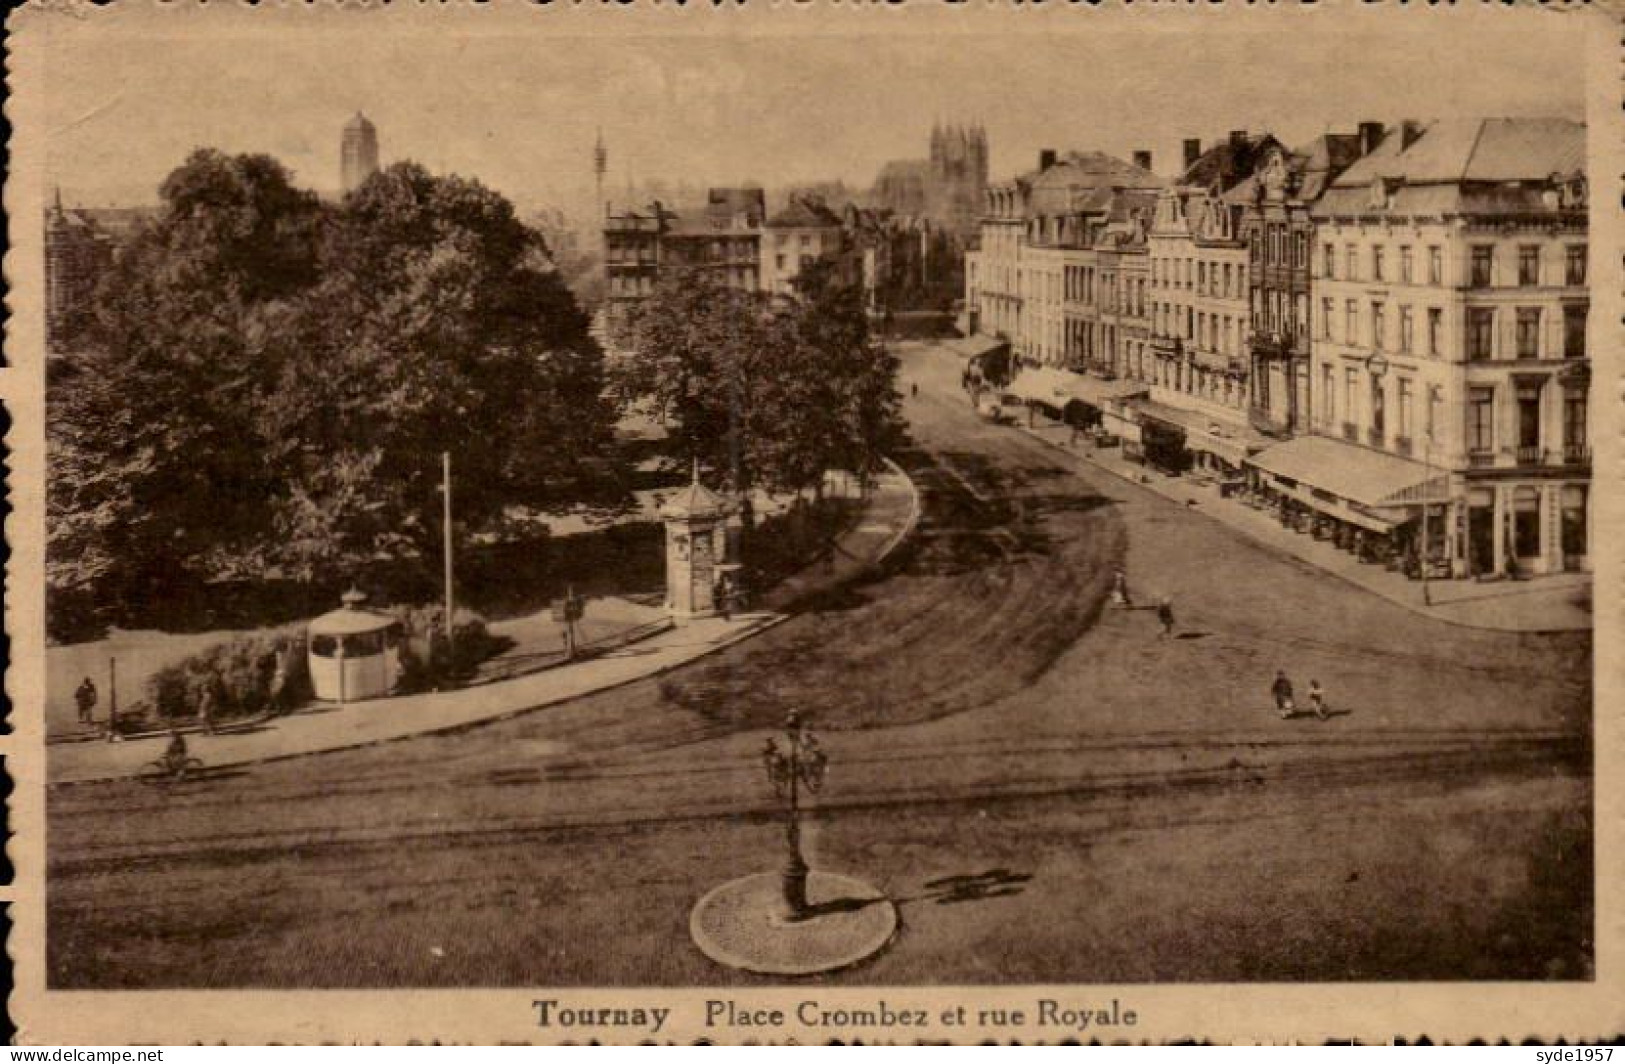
[[1370, 328], [732, 237]]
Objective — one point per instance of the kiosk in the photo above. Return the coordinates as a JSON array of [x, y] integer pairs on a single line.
[[355, 653]]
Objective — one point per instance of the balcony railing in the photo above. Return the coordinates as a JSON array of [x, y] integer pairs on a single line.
[[1577, 453], [1402, 445], [1351, 432], [1481, 459], [1530, 454]]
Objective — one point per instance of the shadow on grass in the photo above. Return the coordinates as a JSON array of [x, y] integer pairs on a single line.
[[994, 883]]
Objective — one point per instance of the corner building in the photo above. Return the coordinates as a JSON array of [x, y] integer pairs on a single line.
[[1450, 366]]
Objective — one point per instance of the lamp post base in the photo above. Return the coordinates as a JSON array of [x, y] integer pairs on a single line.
[[744, 924]]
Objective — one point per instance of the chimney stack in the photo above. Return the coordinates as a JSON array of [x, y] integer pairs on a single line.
[[1370, 137], [1193, 152], [1046, 158], [1142, 159], [1410, 130], [1238, 137]]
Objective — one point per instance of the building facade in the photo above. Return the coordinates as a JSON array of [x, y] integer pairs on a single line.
[[358, 152], [1279, 234], [805, 231], [1048, 275], [1450, 323], [723, 237]]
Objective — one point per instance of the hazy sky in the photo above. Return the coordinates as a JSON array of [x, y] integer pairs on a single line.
[[519, 110]]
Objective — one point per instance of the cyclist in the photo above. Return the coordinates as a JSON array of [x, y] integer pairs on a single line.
[[175, 755]]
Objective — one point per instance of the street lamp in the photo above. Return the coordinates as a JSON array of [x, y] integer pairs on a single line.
[[800, 763]]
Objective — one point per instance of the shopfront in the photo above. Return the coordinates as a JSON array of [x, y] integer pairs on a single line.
[[1384, 508]]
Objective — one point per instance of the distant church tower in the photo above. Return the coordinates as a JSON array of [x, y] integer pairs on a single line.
[[359, 151], [958, 176]]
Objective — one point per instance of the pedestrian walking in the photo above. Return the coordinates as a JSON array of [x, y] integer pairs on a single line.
[[84, 697], [1165, 614], [1120, 597], [279, 684], [724, 596], [1317, 700], [1282, 690], [206, 707]]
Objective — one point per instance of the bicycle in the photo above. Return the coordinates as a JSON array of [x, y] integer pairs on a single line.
[[170, 770]]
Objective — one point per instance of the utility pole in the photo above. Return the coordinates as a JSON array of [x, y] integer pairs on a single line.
[[1427, 504], [445, 490], [112, 700]]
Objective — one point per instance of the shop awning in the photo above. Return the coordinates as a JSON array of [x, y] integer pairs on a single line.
[[974, 347], [1368, 478], [1233, 443], [1044, 385], [1097, 393], [1341, 511]]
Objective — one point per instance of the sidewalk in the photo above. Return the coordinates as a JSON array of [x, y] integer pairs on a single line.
[[891, 514], [1543, 604]]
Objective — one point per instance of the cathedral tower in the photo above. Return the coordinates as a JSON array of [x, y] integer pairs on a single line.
[[358, 152]]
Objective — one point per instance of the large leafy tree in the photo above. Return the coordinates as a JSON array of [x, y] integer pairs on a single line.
[[438, 326], [796, 385], [270, 381], [155, 461]]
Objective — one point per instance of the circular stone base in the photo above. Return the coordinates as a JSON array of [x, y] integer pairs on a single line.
[[743, 924]]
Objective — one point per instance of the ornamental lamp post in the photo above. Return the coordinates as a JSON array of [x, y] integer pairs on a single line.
[[800, 763]]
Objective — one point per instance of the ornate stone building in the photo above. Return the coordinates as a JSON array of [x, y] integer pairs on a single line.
[[1450, 357], [1279, 234]]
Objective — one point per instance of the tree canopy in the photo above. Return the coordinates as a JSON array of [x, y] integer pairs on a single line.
[[797, 385], [269, 381]]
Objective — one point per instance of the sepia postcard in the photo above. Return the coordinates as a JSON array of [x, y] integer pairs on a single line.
[[806, 521]]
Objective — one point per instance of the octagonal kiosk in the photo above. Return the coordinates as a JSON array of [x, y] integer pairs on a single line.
[[355, 653], [696, 550]]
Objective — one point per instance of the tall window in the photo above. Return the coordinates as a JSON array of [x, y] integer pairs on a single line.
[[1528, 265], [1483, 266], [1227, 279], [1528, 332], [1328, 263], [1574, 332], [1325, 319], [1574, 272], [1328, 397], [1379, 413], [1481, 419], [1574, 417], [1529, 415], [1574, 520], [1435, 403], [1351, 263], [1480, 332], [1379, 326], [1377, 270], [1405, 263], [1435, 331], [1351, 393], [1300, 251], [1405, 329], [1351, 323], [1403, 414], [1435, 265]]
